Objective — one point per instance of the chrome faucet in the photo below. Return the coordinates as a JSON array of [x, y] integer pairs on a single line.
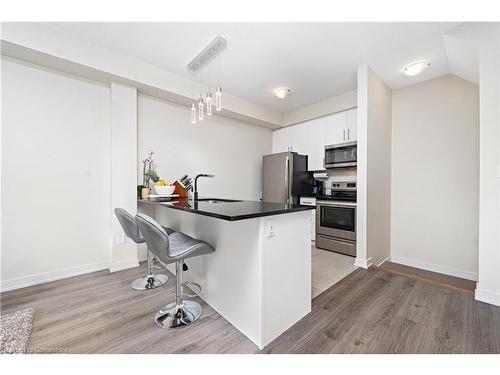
[[195, 194]]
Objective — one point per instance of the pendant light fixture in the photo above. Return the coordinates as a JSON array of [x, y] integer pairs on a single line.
[[193, 113], [193, 106], [200, 108], [208, 101], [218, 93], [201, 104], [218, 99], [213, 50]]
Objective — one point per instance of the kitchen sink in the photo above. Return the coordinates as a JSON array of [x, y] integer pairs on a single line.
[[217, 200]]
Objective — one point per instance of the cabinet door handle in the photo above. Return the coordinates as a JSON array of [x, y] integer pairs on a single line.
[[343, 134], [348, 134]]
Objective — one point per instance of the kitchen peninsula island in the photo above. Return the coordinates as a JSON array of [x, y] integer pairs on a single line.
[[259, 277]]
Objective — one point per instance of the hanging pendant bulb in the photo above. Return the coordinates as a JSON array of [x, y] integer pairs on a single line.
[[200, 108], [218, 99], [193, 113], [208, 101]]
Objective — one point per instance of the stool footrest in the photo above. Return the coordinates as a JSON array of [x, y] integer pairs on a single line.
[[190, 284]]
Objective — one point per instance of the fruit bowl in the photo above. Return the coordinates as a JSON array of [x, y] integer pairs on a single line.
[[164, 190]]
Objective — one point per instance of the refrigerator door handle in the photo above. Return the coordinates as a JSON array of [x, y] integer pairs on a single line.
[[287, 167]]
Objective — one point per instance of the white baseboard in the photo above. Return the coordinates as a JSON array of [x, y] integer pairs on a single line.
[[487, 296], [142, 254], [45, 277], [123, 264], [435, 268], [363, 263]]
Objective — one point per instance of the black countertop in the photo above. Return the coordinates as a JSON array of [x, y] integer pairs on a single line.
[[231, 211]]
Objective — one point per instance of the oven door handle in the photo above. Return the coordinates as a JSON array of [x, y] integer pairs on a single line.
[[336, 204]]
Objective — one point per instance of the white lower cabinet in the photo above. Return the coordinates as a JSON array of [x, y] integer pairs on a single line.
[[310, 201]]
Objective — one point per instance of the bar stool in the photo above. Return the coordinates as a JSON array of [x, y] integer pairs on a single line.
[[129, 226], [174, 248]]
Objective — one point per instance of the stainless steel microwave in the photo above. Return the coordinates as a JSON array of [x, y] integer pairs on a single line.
[[341, 155]]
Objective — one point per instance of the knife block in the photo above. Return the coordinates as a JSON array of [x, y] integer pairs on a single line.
[[179, 189]]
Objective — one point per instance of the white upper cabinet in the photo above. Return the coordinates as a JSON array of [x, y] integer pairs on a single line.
[[311, 137], [336, 131], [298, 143], [316, 135], [282, 140], [341, 127], [352, 124], [307, 138]]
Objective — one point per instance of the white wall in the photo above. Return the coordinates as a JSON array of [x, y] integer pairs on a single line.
[[435, 176], [374, 169], [379, 169], [55, 175], [486, 36], [40, 44], [60, 181], [488, 287], [325, 107], [229, 149], [123, 112]]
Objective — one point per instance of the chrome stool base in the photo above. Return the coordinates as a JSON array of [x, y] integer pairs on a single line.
[[149, 282], [176, 316]]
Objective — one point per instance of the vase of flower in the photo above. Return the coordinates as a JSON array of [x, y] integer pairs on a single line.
[[144, 192]]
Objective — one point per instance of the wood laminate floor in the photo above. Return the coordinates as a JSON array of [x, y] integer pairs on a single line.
[[369, 311], [456, 283]]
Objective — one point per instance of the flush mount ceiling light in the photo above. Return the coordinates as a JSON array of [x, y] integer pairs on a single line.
[[282, 92], [416, 67]]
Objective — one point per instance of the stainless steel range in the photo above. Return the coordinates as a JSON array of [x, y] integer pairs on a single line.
[[336, 219]]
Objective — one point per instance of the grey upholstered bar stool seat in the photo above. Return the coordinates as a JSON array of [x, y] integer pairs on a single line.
[[174, 248], [129, 226]]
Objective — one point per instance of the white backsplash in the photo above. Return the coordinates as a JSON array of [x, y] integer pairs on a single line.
[[340, 174]]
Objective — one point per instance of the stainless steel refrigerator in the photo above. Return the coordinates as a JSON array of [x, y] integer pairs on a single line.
[[285, 177]]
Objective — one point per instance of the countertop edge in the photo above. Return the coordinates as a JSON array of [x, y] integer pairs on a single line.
[[298, 208]]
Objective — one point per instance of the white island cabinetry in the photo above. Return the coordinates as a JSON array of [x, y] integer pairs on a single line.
[[259, 276]]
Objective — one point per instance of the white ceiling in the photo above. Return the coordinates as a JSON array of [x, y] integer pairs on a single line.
[[463, 58], [316, 60]]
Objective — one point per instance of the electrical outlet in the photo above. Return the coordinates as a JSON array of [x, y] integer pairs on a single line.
[[270, 229]]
